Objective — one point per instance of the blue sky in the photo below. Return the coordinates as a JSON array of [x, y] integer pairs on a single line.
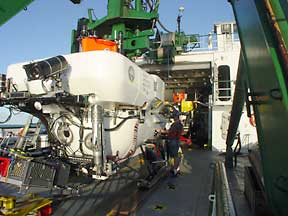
[[44, 29]]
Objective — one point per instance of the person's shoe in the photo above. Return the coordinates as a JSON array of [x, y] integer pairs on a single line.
[[175, 173]]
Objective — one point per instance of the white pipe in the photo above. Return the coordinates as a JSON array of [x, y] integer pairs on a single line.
[[97, 136]]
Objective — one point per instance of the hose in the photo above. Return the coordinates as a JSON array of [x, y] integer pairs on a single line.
[[41, 152], [121, 123], [161, 25]]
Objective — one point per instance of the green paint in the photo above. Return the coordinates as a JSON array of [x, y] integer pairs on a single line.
[[281, 19], [279, 74], [135, 23], [90, 10], [273, 47], [115, 8], [73, 39], [116, 28], [9, 8], [236, 113], [138, 5], [284, 7], [137, 27], [264, 73]]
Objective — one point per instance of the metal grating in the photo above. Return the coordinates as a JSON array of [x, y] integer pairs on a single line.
[[19, 169]]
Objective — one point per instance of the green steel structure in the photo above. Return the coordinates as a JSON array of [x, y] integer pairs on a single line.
[[129, 22], [9, 8], [262, 77]]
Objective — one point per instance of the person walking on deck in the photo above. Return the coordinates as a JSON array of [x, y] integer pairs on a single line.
[[173, 145]]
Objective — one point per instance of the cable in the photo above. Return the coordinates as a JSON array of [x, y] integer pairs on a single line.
[[134, 144], [81, 135], [77, 124], [149, 5], [201, 103], [66, 147], [88, 128], [54, 122], [65, 115], [121, 123], [93, 12], [9, 117], [163, 27]]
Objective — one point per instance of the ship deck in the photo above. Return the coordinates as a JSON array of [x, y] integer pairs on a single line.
[[184, 195]]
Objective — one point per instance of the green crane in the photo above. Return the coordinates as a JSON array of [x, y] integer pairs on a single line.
[[263, 32], [129, 22], [263, 27], [9, 8]]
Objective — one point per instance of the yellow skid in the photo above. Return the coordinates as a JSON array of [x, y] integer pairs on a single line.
[[12, 206]]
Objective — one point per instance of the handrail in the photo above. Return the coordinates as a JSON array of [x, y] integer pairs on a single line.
[[223, 203]]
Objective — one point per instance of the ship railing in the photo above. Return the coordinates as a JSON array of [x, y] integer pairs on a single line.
[[225, 93], [203, 43], [209, 42], [221, 202]]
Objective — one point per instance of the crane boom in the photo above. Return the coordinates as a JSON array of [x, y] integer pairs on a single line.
[[9, 8]]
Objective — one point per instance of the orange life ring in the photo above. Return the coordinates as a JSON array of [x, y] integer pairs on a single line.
[[252, 120]]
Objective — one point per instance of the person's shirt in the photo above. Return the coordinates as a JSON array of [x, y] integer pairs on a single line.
[[175, 130]]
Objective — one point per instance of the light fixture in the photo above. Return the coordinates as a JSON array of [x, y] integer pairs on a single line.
[[37, 105], [181, 9]]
